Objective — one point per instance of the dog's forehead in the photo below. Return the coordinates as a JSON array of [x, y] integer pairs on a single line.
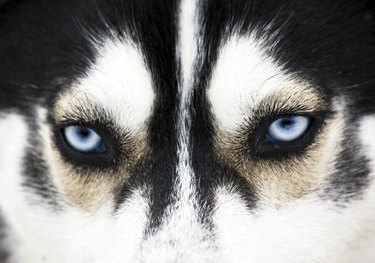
[[272, 28]]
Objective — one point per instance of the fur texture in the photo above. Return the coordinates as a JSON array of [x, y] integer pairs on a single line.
[[182, 94]]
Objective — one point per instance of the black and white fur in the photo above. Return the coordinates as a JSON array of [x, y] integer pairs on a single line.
[[181, 88]]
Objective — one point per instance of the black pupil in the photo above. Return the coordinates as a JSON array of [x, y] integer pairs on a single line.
[[287, 122], [84, 132]]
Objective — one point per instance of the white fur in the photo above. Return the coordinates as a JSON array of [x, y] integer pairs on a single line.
[[121, 83], [308, 230], [367, 137], [13, 143], [244, 74], [76, 236], [188, 41]]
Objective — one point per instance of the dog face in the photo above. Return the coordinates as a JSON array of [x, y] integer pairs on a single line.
[[187, 131]]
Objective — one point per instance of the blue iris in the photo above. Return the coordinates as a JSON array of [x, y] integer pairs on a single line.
[[288, 128], [83, 139]]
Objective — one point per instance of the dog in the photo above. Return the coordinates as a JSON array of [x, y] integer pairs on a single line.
[[187, 131]]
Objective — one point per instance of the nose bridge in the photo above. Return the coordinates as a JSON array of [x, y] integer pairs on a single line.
[[187, 56], [195, 155], [181, 235]]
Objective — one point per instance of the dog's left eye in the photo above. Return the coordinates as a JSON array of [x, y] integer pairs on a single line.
[[83, 139], [287, 134], [288, 128]]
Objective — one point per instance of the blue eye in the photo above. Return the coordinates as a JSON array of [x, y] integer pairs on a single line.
[[83, 139], [288, 128]]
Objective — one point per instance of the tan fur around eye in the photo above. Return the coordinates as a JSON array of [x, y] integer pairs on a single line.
[[91, 189], [280, 182]]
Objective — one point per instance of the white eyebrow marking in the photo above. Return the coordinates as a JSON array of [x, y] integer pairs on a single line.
[[244, 75], [119, 82]]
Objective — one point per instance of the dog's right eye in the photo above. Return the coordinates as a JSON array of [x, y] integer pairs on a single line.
[[83, 139], [86, 145]]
